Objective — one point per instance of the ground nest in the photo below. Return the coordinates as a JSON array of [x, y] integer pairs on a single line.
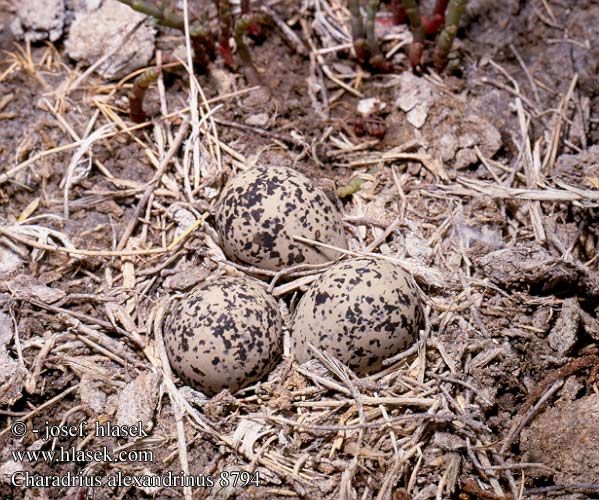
[[482, 184]]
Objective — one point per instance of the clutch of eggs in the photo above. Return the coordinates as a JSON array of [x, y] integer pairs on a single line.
[[224, 334], [361, 311], [261, 209]]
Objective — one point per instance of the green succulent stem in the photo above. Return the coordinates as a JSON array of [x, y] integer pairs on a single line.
[[164, 15], [413, 13], [354, 184], [377, 59], [455, 11], [418, 32], [200, 36]]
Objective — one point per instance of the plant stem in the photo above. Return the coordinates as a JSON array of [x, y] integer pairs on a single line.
[[435, 22], [373, 45], [454, 14], [203, 47], [354, 184], [253, 28], [377, 59], [357, 30], [226, 24], [440, 7], [413, 13], [417, 47], [244, 5], [164, 15], [241, 28], [201, 39], [399, 13], [138, 92], [350, 188]]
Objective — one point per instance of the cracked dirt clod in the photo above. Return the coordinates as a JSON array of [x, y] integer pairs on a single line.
[[528, 265], [137, 400], [446, 125], [415, 98], [579, 170], [566, 438]]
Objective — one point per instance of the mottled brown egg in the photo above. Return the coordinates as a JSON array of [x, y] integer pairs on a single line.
[[361, 311], [224, 334], [261, 209]]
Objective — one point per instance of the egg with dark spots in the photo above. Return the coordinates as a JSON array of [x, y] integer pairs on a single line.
[[223, 334], [361, 311], [261, 209]]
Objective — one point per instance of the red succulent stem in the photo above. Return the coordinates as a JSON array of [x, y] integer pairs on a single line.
[[399, 13], [435, 22], [440, 7], [138, 92], [253, 28], [432, 24], [202, 42], [226, 26], [415, 53]]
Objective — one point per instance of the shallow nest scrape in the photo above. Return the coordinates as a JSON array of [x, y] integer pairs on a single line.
[[484, 187]]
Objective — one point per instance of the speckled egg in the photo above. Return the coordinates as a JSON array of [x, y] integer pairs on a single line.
[[262, 208], [224, 334], [361, 311]]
